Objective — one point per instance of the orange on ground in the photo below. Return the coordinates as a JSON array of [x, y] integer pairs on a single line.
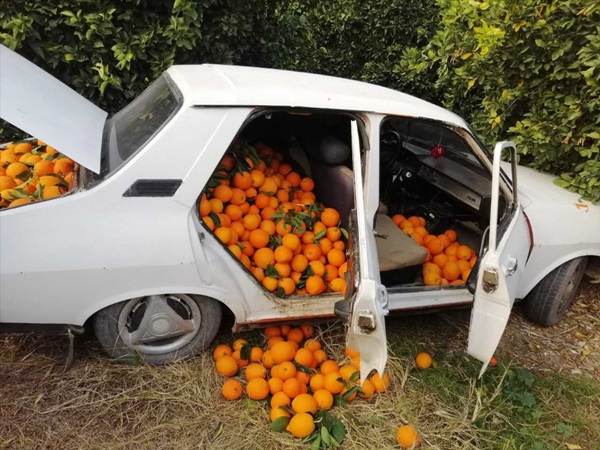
[[222, 350], [255, 370], [257, 389], [226, 366], [423, 360], [280, 399], [278, 412], [407, 437], [232, 389], [324, 399], [347, 371], [381, 383], [367, 388], [301, 425], [305, 403], [332, 382]]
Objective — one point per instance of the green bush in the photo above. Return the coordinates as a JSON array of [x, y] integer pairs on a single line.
[[110, 50], [527, 71]]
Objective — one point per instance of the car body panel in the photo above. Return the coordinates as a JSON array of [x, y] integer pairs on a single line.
[[577, 225], [44, 107], [212, 84]]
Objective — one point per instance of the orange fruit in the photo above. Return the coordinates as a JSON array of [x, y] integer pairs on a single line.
[[294, 179], [423, 360], [283, 254], [381, 382], [268, 225], [63, 166], [316, 382], [232, 389], [407, 437], [463, 265], [329, 366], [308, 237], [274, 340], [301, 425], [473, 261], [330, 217], [307, 184], [304, 357], [275, 385], [43, 167], [435, 246], [23, 147], [350, 397], [312, 344], [336, 257], [216, 205], [280, 399], [282, 351], [209, 223], [465, 275], [432, 279], [263, 257], [440, 260], [398, 219], [356, 361], [295, 334], [285, 329], [267, 359], [223, 193], [258, 273], [332, 273], [333, 382], [238, 344], [52, 192], [276, 413], [463, 252], [305, 403], [226, 366], [367, 388], [315, 285], [444, 240], [251, 221], [451, 251], [6, 182], [222, 350], [414, 221], [284, 271], [431, 267], [15, 169], [317, 267], [256, 354], [291, 241], [299, 262], [257, 389], [270, 283], [287, 370], [258, 178], [242, 180], [347, 371], [287, 284], [224, 234], [239, 198], [272, 331], [320, 356], [451, 235], [255, 370], [19, 202], [451, 271], [292, 387], [324, 399]]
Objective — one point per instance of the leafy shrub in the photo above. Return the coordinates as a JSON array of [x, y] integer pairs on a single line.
[[526, 71]]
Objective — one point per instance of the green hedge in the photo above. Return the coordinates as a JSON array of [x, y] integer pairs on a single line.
[[528, 71]]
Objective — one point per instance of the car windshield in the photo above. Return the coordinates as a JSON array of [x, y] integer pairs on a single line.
[[130, 129]]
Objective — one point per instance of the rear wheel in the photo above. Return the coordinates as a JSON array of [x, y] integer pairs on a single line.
[[158, 328], [548, 302]]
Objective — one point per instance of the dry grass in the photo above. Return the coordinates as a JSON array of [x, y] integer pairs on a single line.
[[100, 404]]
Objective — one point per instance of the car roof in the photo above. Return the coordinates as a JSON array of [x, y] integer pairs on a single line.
[[224, 85]]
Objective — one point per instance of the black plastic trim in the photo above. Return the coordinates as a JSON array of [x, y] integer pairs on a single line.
[[153, 188]]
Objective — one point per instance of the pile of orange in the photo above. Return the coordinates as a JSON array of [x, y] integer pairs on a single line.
[[448, 262], [294, 374], [268, 217], [31, 171]]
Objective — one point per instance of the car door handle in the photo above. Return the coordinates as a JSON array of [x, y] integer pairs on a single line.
[[513, 265]]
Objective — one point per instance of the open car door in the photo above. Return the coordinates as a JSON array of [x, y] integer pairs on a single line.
[[500, 269], [365, 303]]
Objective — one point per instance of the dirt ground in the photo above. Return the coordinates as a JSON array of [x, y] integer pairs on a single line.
[[98, 403]]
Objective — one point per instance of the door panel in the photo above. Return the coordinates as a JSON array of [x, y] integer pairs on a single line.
[[366, 332], [499, 272]]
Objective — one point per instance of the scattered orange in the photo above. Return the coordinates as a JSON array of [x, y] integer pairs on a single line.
[[257, 389], [226, 366], [407, 437], [232, 389], [423, 360], [301, 425], [222, 350]]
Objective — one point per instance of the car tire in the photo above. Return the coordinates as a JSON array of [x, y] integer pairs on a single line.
[[158, 329], [548, 302]]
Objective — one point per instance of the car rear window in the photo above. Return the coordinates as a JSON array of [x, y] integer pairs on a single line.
[[129, 130]]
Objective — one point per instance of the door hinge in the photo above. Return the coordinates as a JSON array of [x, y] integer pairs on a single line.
[[367, 321], [490, 280]]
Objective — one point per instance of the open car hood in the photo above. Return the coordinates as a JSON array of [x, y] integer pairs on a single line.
[[42, 106]]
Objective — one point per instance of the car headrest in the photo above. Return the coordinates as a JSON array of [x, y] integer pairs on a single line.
[[333, 150]]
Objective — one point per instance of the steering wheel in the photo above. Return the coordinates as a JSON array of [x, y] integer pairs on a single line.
[[390, 150]]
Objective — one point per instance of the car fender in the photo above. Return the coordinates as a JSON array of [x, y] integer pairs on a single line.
[[544, 260], [212, 291]]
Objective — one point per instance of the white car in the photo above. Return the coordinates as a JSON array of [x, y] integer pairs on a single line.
[[127, 253]]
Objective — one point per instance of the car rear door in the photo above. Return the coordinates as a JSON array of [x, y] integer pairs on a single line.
[[365, 303], [500, 269]]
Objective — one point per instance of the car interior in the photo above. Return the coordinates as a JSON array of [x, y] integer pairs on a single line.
[[426, 170]]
